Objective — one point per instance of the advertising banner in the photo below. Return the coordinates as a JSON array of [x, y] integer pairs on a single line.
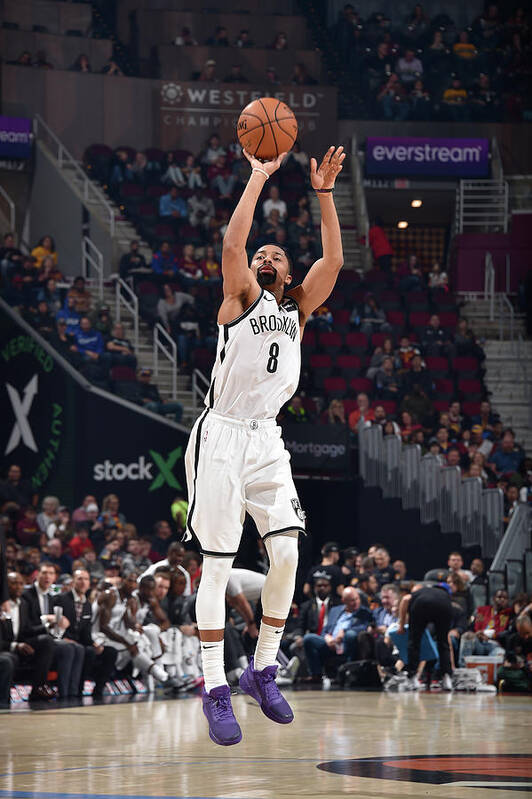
[[190, 112], [15, 137], [315, 447], [402, 156], [71, 441]]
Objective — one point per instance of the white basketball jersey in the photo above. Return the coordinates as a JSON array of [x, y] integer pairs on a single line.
[[258, 360]]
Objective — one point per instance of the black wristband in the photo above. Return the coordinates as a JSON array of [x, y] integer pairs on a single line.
[[323, 191]]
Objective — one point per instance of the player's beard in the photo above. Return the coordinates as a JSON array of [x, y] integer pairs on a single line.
[[266, 278]]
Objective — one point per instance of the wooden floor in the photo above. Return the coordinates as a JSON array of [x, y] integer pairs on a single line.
[[364, 745]]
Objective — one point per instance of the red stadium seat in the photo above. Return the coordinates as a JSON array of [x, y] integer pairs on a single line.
[[358, 384], [146, 287], [123, 374], [441, 405], [396, 319], [341, 320], [465, 367], [356, 342], [321, 365], [335, 387], [390, 300], [472, 389], [471, 408], [330, 342], [350, 405], [448, 319], [438, 367], [444, 388], [350, 365], [419, 319]]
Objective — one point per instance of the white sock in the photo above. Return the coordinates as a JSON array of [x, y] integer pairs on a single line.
[[212, 657], [267, 646], [159, 673]]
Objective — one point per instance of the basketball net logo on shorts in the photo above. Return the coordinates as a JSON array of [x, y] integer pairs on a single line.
[[300, 513]]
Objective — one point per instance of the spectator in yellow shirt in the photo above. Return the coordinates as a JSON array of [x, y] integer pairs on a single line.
[[455, 94], [463, 47], [45, 247]]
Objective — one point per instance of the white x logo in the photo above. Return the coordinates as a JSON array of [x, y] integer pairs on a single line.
[[21, 409]]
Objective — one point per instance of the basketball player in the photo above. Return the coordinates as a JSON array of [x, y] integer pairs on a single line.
[[235, 459]]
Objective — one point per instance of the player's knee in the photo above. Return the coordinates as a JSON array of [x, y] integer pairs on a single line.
[[283, 553], [215, 573]]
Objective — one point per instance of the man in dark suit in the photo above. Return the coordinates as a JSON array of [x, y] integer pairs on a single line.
[[68, 659], [34, 653], [99, 659], [340, 633], [313, 617], [4, 592]]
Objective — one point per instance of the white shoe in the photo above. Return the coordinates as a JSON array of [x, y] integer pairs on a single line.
[[447, 683], [398, 683], [414, 684]]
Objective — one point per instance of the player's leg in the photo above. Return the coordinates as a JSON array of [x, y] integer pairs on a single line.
[[258, 679], [213, 464]]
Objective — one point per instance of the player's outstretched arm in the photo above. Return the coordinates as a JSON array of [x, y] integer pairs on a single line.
[[238, 280], [321, 277]]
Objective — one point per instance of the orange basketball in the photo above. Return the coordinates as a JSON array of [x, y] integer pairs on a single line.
[[266, 128]]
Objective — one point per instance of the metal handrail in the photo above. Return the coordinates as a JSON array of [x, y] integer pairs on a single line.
[[92, 257], [482, 203], [168, 347], [197, 378], [359, 195], [12, 209], [505, 306], [489, 283], [90, 191], [125, 296]]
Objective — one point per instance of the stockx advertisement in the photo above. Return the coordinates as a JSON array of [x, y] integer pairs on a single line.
[[71, 441]]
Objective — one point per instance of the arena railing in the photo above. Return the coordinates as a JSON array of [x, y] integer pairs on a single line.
[[492, 521], [449, 510], [200, 386], [164, 344], [361, 209], [91, 193], [92, 258], [127, 300], [429, 488], [410, 479], [482, 204], [516, 538], [471, 511], [438, 491], [11, 210]]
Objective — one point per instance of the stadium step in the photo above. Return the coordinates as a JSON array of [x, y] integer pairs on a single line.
[[508, 378]]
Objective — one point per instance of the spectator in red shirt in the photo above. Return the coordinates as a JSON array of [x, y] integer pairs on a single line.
[[28, 532], [189, 269], [81, 542], [490, 622], [380, 246], [363, 409]]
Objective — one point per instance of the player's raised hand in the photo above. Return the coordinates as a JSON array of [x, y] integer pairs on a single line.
[[324, 175], [267, 166]]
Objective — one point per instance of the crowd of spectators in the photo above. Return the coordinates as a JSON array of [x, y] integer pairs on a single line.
[[181, 203], [423, 68], [93, 599], [81, 64]]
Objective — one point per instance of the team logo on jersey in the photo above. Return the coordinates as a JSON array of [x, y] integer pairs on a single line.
[[298, 509], [472, 771]]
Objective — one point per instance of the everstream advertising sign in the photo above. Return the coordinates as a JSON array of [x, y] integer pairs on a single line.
[[403, 157]]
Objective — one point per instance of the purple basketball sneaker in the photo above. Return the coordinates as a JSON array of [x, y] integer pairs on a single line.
[[223, 727], [262, 687]]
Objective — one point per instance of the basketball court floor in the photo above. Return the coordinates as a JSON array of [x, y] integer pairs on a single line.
[[356, 744]]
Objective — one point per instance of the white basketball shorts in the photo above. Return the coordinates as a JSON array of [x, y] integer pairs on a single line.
[[234, 466]]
